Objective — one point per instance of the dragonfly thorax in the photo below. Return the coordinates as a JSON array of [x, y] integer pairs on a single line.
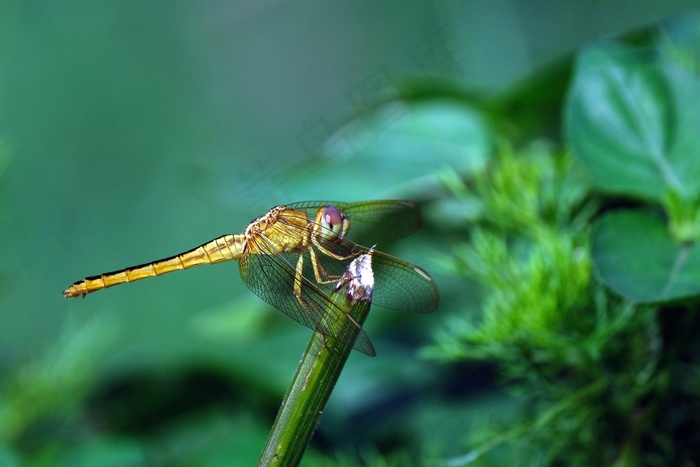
[[284, 230]]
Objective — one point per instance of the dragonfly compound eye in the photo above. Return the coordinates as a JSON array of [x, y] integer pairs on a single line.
[[335, 220]]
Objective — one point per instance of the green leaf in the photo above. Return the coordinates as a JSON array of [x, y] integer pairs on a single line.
[[632, 119], [635, 256], [401, 146]]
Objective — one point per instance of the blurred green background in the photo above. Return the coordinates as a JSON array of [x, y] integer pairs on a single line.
[[130, 131]]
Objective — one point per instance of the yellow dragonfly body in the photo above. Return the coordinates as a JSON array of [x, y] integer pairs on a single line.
[[292, 256]]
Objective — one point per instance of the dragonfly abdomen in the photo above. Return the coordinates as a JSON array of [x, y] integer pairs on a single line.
[[226, 248]]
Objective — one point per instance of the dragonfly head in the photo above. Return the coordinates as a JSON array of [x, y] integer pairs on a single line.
[[334, 222]]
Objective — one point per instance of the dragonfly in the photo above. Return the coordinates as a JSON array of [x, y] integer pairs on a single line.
[[293, 255]]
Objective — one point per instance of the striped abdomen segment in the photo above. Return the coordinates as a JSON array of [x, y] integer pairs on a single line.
[[226, 248]]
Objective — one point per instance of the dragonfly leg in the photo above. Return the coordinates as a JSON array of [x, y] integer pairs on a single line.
[[326, 251], [322, 277], [298, 283], [322, 325], [298, 278]]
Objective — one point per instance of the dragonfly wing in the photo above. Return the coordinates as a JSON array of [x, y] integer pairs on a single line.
[[402, 285], [378, 222], [271, 277], [399, 284], [381, 222]]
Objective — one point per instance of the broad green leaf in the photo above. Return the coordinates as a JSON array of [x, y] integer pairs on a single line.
[[635, 256], [401, 146], [631, 120]]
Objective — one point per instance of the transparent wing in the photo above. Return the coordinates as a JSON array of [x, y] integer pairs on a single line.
[[271, 276], [398, 284], [378, 222]]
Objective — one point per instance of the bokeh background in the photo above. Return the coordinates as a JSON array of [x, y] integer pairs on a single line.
[[130, 131]]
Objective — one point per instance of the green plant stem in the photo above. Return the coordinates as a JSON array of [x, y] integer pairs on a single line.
[[313, 383]]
